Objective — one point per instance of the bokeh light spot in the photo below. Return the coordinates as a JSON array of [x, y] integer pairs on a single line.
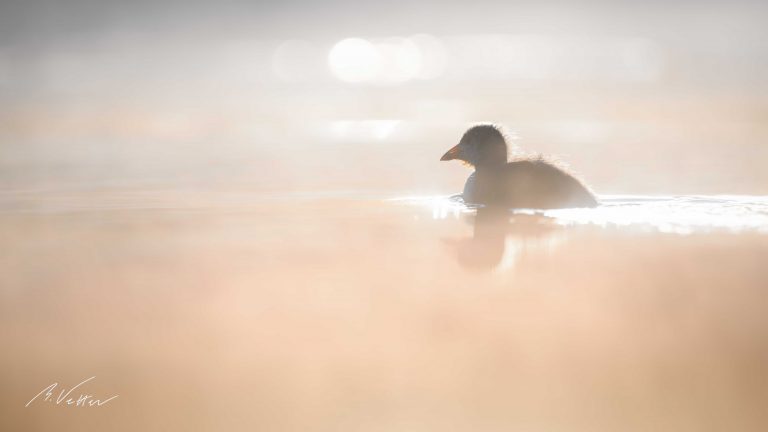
[[354, 60]]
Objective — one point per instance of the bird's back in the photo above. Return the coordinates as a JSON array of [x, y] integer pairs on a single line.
[[529, 183]]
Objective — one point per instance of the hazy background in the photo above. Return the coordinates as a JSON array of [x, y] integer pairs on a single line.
[[639, 97]]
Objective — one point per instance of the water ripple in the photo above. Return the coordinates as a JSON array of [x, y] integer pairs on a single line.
[[669, 214]]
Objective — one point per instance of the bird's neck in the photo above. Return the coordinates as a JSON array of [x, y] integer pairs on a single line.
[[490, 167]]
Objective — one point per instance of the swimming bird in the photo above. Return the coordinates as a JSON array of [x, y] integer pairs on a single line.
[[522, 183]]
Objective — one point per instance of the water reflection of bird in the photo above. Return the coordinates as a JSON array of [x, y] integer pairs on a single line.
[[493, 227], [486, 247], [523, 183]]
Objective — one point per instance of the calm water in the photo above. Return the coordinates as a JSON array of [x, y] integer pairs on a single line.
[[228, 310]]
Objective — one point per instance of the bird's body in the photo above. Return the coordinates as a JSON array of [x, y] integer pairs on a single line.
[[523, 183], [529, 183]]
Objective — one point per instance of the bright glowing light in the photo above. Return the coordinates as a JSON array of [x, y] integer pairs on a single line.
[[401, 60], [354, 60], [386, 61], [670, 214]]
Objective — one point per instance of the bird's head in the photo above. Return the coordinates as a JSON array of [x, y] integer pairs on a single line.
[[480, 146]]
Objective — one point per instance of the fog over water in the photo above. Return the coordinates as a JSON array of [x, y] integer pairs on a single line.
[[654, 98]]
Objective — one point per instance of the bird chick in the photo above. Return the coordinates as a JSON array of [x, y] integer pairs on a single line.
[[522, 183]]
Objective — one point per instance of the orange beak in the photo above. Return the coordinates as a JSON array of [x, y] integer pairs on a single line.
[[456, 152]]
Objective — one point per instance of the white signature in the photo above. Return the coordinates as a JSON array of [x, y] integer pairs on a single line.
[[83, 400]]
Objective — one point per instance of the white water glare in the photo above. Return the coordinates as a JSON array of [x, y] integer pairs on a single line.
[[668, 214]]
